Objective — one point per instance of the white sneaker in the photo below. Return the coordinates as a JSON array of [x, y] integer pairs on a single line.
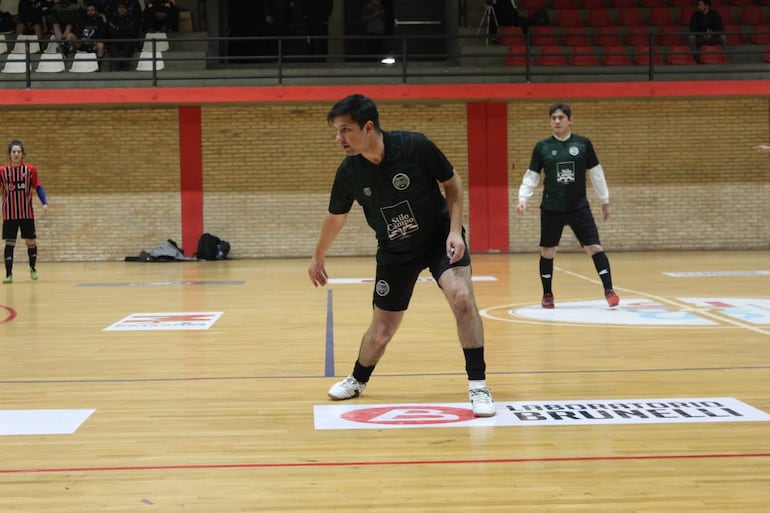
[[482, 403], [347, 388]]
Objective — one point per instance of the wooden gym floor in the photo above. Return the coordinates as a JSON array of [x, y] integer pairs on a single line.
[[226, 419]]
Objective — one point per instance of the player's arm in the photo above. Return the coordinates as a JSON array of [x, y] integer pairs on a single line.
[[596, 174], [43, 199], [527, 188], [331, 227], [762, 148], [453, 191]]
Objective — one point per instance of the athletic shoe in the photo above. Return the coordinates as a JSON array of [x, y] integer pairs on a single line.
[[8, 279], [612, 298], [346, 389], [547, 300], [32, 273], [481, 402]]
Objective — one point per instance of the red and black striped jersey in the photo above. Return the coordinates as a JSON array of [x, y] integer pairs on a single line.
[[19, 184]]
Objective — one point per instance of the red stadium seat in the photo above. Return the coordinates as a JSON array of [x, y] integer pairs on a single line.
[[563, 4], [511, 36], [608, 36], [621, 4], [630, 17], [638, 36], [752, 15], [575, 36], [517, 56], [671, 35], [594, 4], [727, 14], [734, 35], [653, 4], [569, 18], [713, 54], [583, 56], [616, 56], [679, 55], [544, 35], [760, 35], [767, 53], [552, 56], [599, 18], [659, 16], [643, 56]]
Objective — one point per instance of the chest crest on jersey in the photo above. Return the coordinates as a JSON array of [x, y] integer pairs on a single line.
[[574, 151], [401, 181]]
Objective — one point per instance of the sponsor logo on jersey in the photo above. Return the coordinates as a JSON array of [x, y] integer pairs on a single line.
[[401, 181]]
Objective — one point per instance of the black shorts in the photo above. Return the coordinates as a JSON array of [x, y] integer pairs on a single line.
[[11, 228], [394, 284], [581, 221]]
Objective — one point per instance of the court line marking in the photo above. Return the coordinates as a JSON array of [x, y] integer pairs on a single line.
[[320, 464], [329, 349], [679, 304], [381, 376]]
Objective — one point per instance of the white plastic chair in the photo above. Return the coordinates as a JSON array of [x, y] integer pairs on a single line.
[[3, 44], [161, 43], [50, 63], [84, 62], [52, 46], [15, 63], [34, 45], [145, 61]]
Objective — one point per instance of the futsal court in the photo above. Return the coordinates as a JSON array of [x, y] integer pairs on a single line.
[[200, 387]]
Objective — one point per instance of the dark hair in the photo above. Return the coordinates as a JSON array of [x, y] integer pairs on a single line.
[[18, 143], [359, 107], [562, 107]]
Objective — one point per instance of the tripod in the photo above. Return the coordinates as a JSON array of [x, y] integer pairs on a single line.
[[488, 17]]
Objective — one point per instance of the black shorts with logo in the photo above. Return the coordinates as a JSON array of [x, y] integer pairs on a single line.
[[394, 283], [581, 221], [12, 226]]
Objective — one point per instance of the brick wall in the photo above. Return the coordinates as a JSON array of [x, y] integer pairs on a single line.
[[681, 173]]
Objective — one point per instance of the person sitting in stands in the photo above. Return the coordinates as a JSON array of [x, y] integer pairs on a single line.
[[161, 16], [706, 28], [89, 30], [121, 25]]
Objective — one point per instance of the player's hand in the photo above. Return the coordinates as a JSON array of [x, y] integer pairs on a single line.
[[455, 247], [317, 271], [45, 210], [521, 209], [762, 148], [606, 211]]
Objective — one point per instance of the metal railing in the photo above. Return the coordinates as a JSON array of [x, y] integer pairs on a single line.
[[415, 59]]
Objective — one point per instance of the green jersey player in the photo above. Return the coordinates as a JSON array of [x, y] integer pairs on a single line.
[[566, 159]]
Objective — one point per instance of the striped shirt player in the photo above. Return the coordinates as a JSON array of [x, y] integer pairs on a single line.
[[18, 180], [565, 159], [397, 179]]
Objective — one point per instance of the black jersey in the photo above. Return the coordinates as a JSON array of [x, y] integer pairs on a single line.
[[400, 196], [565, 164]]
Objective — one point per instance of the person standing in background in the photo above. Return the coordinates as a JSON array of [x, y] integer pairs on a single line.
[[18, 180], [566, 159]]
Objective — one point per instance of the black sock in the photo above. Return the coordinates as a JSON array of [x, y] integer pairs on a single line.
[[8, 255], [546, 274], [361, 373], [32, 254], [602, 264], [474, 363]]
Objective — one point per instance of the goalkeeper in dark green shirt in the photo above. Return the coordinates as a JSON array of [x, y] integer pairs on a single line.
[[566, 158]]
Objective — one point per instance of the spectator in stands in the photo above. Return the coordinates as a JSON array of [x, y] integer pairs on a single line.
[[30, 18], [133, 6], [61, 20], [506, 15], [763, 148], [122, 25], [161, 16], [89, 30], [317, 14], [374, 20], [706, 28]]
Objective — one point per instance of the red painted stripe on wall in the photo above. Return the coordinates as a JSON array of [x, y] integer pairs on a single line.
[[191, 176], [488, 176], [469, 92]]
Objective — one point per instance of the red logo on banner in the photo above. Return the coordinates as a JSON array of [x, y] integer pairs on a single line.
[[402, 415]]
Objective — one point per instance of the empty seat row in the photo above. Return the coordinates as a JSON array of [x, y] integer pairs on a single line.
[[532, 5], [82, 62], [617, 56], [633, 36], [633, 16]]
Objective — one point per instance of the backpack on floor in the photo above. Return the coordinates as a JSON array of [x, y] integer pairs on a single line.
[[211, 247]]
